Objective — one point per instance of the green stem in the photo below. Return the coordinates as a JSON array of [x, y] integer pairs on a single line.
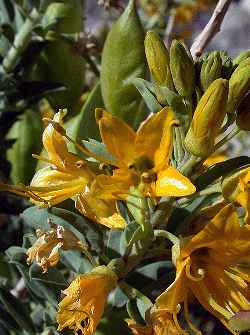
[[90, 258], [21, 41], [216, 188], [166, 234], [187, 167], [227, 138], [162, 212]]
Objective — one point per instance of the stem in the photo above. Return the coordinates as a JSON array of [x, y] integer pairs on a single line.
[[92, 64], [21, 41], [166, 234], [89, 257], [227, 138], [169, 29], [211, 29], [162, 212], [187, 167]]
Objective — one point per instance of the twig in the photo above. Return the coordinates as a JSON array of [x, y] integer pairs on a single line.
[[211, 29], [169, 29]]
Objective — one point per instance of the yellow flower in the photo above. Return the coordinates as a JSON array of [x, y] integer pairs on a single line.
[[45, 251], [235, 189], [160, 323], [213, 266], [67, 176], [82, 307], [142, 156]]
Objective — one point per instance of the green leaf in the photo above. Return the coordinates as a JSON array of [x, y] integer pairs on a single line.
[[53, 277], [99, 149], [59, 62], [123, 59], [83, 125], [75, 261], [220, 170], [175, 101], [145, 89], [113, 323], [138, 307], [27, 132], [17, 310]]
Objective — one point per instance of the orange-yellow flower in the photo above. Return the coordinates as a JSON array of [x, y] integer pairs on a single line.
[[212, 265], [67, 176], [141, 157], [82, 307]]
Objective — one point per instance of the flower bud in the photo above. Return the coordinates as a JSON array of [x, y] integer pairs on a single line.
[[239, 85], [182, 69], [207, 119], [158, 60], [211, 69], [241, 57], [243, 113]]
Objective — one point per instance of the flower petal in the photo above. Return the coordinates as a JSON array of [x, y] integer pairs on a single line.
[[149, 134], [117, 136], [101, 211], [170, 182]]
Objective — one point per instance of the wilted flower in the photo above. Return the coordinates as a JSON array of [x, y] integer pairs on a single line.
[[141, 157], [82, 307], [45, 251], [213, 266]]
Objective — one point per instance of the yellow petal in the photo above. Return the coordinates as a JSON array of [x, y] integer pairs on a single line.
[[55, 186], [118, 137], [149, 134], [101, 211], [164, 151], [170, 182], [54, 143]]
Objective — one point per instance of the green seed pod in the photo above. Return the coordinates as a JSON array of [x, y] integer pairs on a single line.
[[123, 59], [243, 114], [158, 60], [210, 70], [241, 57], [182, 69], [207, 120], [239, 85]]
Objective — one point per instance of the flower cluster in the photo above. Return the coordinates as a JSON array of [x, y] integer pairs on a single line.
[[163, 182]]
